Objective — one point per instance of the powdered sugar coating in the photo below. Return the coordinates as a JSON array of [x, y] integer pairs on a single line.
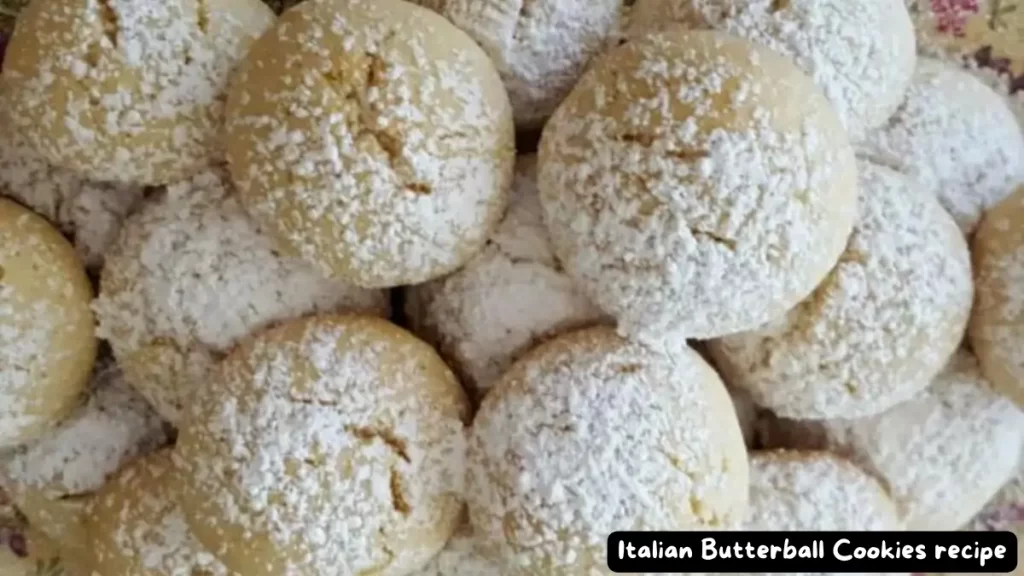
[[588, 434], [373, 138], [89, 212], [112, 427], [793, 491], [130, 90], [540, 47], [47, 344], [331, 445], [956, 137], [942, 455], [508, 298], [137, 528], [878, 329], [696, 184], [997, 324], [462, 557], [860, 52], [190, 276]]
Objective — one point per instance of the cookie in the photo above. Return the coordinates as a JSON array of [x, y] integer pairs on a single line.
[[51, 478], [702, 200], [130, 90], [47, 340], [331, 445], [884, 322], [956, 137], [90, 213], [582, 424], [942, 455], [509, 297], [192, 274], [137, 528], [540, 47], [372, 138], [861, 53], [997, 324]]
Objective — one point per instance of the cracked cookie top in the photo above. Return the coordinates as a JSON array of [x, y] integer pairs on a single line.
[[190, 276], [509, 297], [696, 184], [328, 445], [130, 90], [373, 138], [590, 433], [880, 326], [136, 527]]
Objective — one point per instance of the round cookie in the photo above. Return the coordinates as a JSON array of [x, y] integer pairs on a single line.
[[373, 138], [815, 491], [462, 557], [942, 454], [883, 323], [956, 137], [331, 445], [861, 53], [997, 324], [540, 47], [49, 478], [701, 200], [47, 340], [581, 425], [509, 297], [89, 212], [129, 90], [137, 527], [192, 274]]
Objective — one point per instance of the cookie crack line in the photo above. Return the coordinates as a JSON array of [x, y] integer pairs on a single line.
[[109, 21], [374, 71], [396, 444]]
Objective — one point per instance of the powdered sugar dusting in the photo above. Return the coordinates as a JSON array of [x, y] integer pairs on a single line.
[[792, 491], [541, 47], [46, 343], [956, 137], [944, 453], [685, 192], [127, 89], [111, 428], [882, 324], [137, 527], [997, 325], [332, 445], [860, 52], [589, 434], [374, 138], [506, 299], [462, 557], [192, 274], [89, 212]]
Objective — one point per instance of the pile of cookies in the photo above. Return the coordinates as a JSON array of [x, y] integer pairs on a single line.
[[294, 295]]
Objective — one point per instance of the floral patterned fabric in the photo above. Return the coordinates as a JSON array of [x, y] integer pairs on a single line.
[[989, 32]]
